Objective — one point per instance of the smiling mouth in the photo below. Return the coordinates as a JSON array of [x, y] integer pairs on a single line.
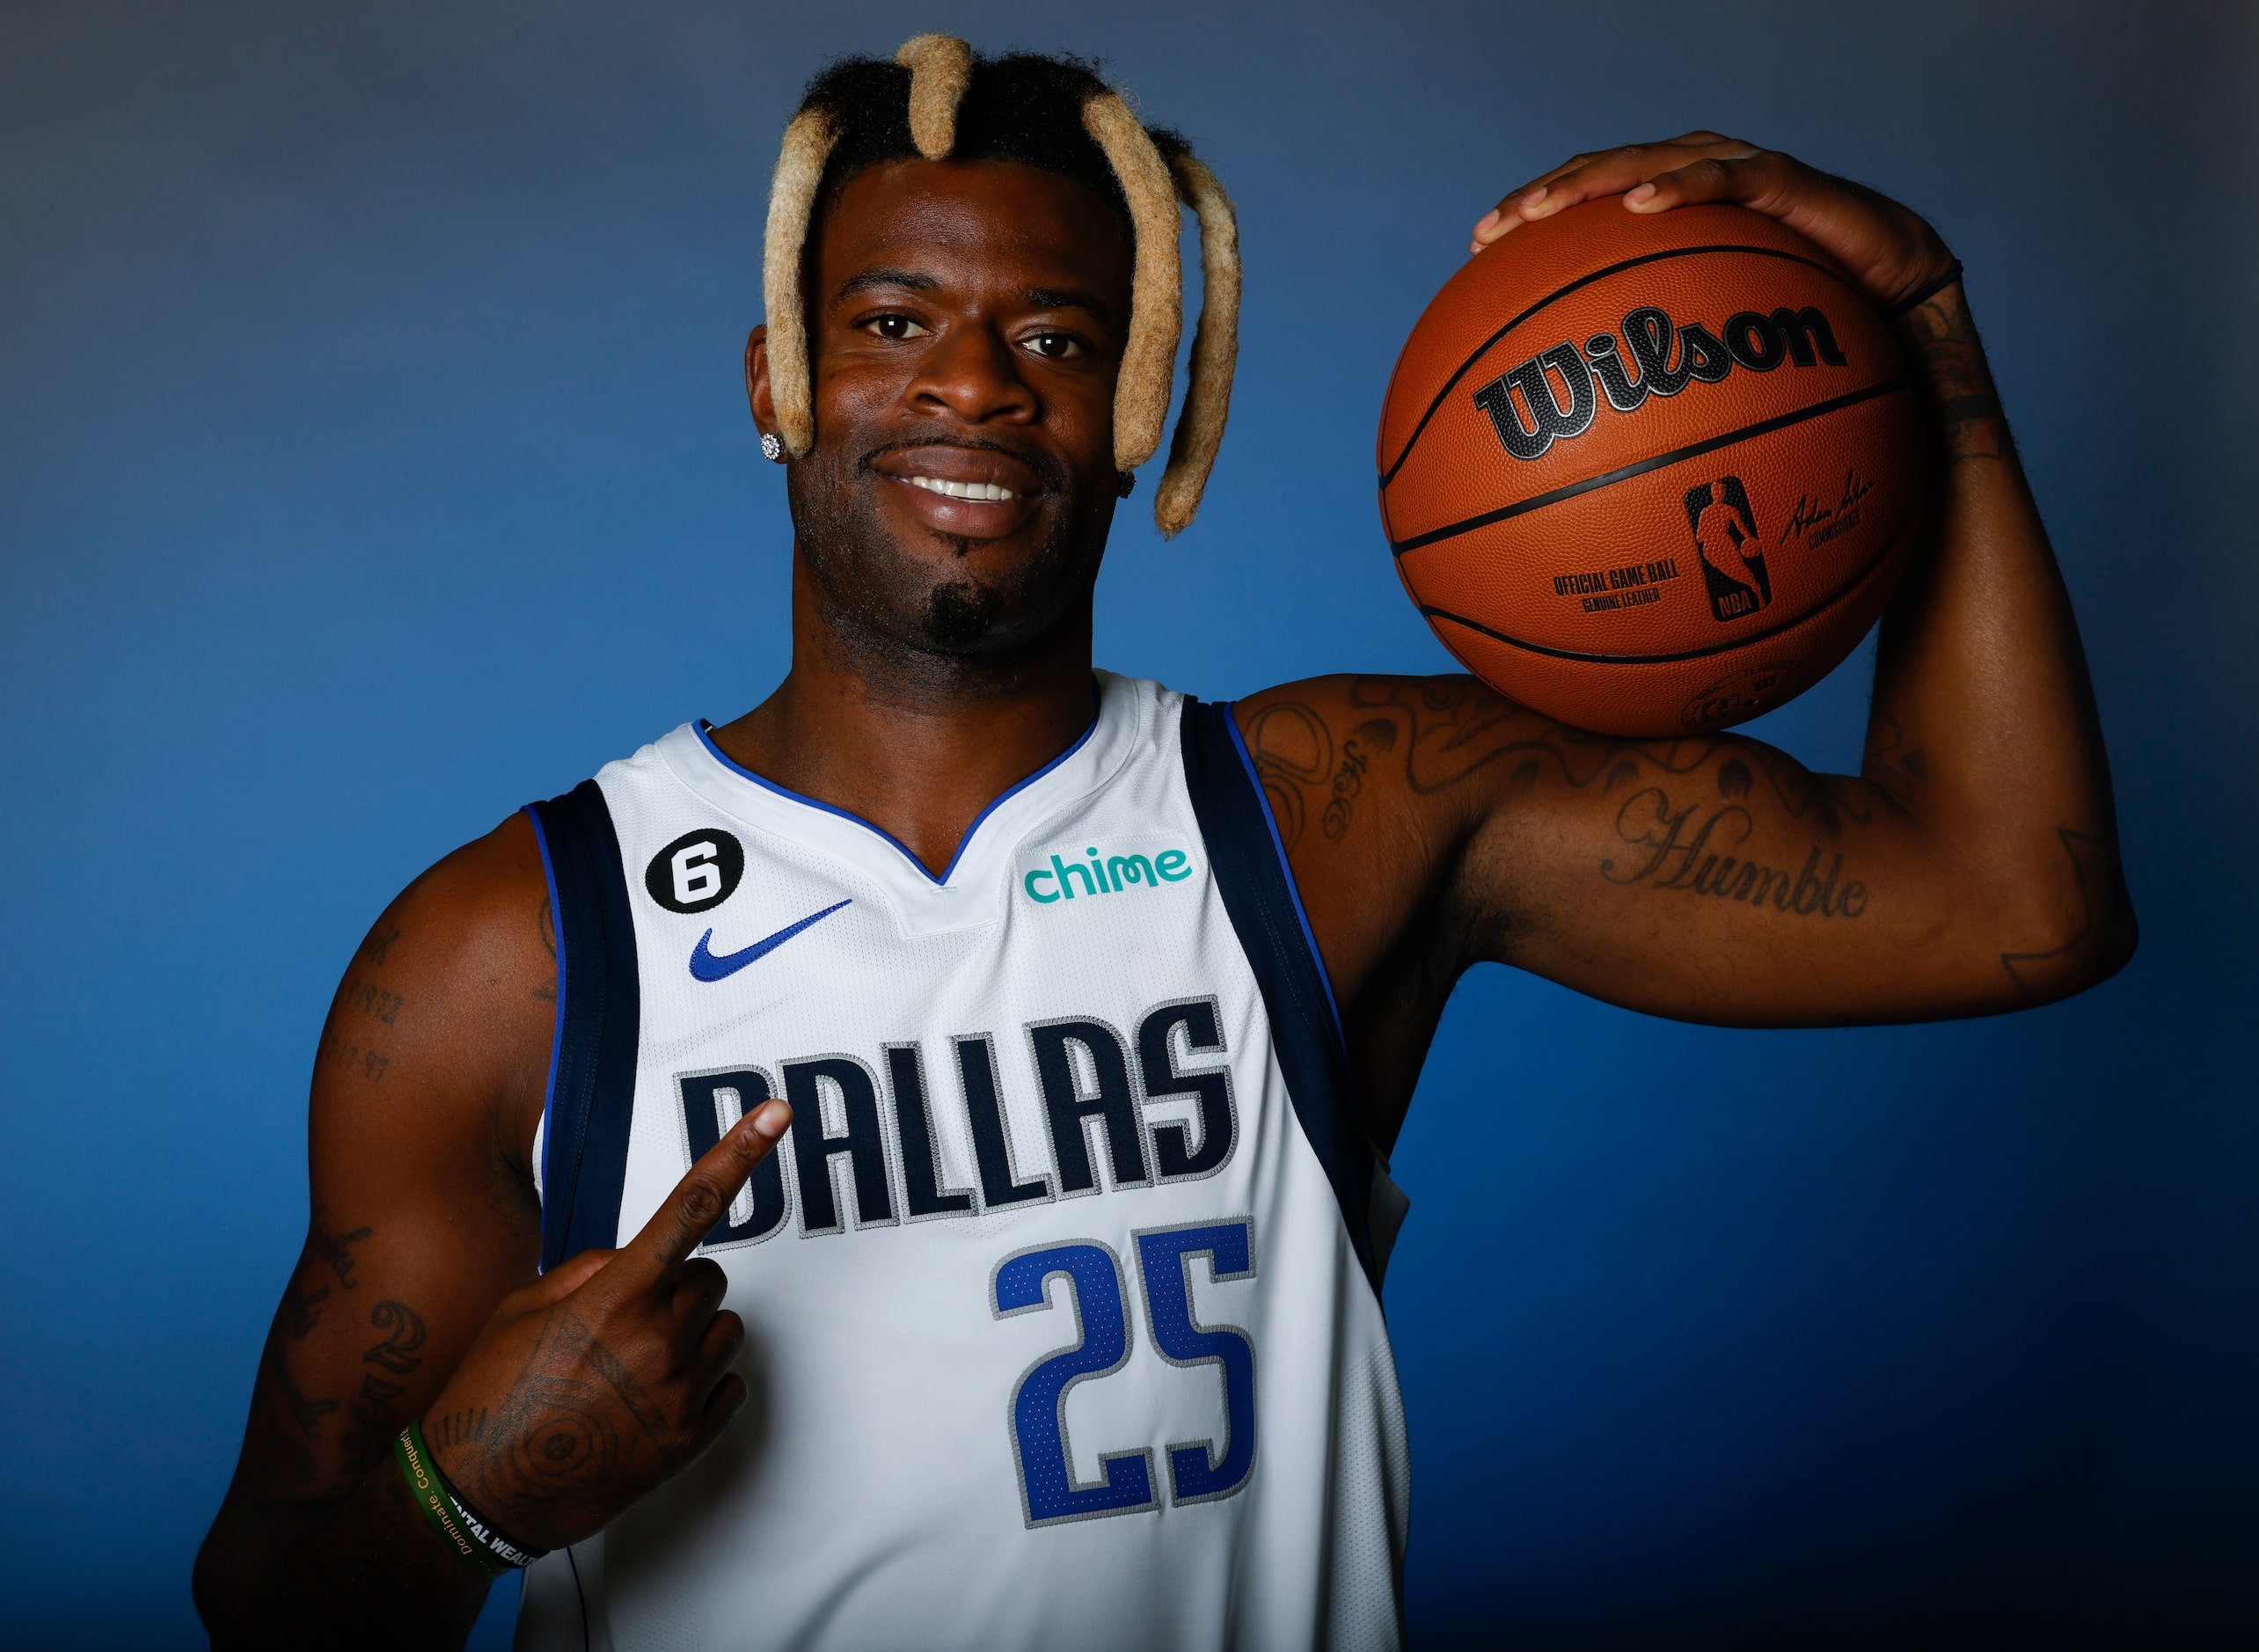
[[990, 492]]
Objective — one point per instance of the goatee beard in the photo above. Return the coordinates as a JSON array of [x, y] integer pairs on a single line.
[[879, 604]]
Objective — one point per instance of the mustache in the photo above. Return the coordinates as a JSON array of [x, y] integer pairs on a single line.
[[1048, 471]]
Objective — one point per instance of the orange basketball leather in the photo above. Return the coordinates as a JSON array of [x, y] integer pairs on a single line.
[[1710, 507]]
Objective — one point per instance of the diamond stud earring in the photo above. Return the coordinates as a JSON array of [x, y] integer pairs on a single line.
[[772, 447]]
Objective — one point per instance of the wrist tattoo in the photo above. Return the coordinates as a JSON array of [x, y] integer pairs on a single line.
[[1942, 338]]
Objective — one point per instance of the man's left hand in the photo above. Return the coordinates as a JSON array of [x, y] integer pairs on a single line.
[[1889, 249]]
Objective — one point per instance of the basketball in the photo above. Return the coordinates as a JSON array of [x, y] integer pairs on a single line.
[[1650, 476]]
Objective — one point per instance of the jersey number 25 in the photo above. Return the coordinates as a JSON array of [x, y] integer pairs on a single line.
[[1198, 1472]]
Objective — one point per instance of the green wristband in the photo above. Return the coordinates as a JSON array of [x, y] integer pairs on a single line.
[[431, 1495]]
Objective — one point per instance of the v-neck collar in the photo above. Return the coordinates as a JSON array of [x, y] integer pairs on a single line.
[[1101, 749]]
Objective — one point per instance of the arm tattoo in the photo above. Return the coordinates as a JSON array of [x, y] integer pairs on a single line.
[[375, 1415], [366, 997], [1438, 732], [1891, 762], [373, 1000], [352, 1058], [1292, 748], [1682, 847], [1944, 342], [2035, 973], [553, 1439], [336, 1249], [301, 1310], [548, 925], [307, 1413]]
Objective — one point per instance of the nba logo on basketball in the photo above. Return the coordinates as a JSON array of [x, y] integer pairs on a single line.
[[1733, 556]]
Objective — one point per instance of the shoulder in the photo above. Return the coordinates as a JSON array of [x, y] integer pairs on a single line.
[[1421, 706], [439, 1037], [467, 896], [1330, 747], [477, 924]]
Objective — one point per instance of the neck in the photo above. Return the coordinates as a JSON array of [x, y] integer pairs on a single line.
[[917, 743]]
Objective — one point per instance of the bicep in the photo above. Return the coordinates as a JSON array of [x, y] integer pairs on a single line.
[[1718, 879], [423, 1217]]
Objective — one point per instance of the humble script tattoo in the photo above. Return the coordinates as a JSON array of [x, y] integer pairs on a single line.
[[1684, 846], [1438, 732]]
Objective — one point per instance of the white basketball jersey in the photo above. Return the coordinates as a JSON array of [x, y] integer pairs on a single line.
[[1061, 1291]]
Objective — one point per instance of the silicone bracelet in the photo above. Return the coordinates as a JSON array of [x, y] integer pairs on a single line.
[[1952, 275], [476, 1541]]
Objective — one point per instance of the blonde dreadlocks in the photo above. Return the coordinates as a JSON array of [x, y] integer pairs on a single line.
[[1052, 113]]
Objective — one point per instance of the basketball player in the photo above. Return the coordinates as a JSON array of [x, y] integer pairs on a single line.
[[908, 1168]]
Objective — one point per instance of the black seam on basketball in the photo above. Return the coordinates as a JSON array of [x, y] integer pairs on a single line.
[[1625, 473], [1389, 475], [1840, 593]]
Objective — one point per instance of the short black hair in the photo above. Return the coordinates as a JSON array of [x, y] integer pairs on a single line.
[[1020, 106]]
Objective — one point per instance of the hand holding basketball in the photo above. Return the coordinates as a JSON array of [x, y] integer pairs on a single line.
[[1654, 471], [608, 1374], [1891, 251]]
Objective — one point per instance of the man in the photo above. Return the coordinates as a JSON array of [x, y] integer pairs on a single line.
[[1032, 1041]]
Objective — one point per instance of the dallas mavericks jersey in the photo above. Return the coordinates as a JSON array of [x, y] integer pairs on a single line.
[[1062, 1289]]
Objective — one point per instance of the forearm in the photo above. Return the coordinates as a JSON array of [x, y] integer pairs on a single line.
[[360, 1569], [1983, 726]]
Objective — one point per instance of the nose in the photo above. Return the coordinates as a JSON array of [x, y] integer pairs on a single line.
[[973, 374]]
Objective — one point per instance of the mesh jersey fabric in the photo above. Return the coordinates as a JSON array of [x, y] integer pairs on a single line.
[[1061, 1298]]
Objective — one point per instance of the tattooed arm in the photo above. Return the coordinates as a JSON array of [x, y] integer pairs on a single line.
[[553, 1402], [427, 1087], [1970, 868]]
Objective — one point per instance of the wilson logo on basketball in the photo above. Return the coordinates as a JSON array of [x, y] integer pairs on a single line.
[[1525, 403]]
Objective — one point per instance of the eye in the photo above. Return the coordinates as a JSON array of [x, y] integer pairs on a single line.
[[894, 327], [1055, 347]]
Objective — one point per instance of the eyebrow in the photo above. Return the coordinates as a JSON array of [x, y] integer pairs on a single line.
[[871, 278], [1066, 299], [1034, 298]]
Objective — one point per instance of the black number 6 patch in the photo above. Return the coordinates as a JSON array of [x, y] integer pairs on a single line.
[[696, 873]]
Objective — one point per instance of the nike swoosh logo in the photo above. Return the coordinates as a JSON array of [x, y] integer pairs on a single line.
[[706, 967]]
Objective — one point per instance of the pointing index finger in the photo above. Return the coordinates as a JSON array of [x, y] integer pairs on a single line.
[[688, 1214]]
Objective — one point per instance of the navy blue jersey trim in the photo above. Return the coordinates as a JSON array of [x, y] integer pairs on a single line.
[[1279, 847], [557, 1025], [592, 1071], [704, 728], [1249, 864]]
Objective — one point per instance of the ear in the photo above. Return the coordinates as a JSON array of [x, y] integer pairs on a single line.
[[757, 381]]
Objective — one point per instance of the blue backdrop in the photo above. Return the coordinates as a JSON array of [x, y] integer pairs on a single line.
[[373, 458]]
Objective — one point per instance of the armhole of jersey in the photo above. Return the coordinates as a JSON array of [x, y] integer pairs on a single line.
[[592, 1056], [1251, 871]]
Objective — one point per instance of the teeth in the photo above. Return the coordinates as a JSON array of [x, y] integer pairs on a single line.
[[989, 491]]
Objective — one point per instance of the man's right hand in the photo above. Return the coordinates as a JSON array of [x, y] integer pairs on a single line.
[[610, 1373], [552, 1402]]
